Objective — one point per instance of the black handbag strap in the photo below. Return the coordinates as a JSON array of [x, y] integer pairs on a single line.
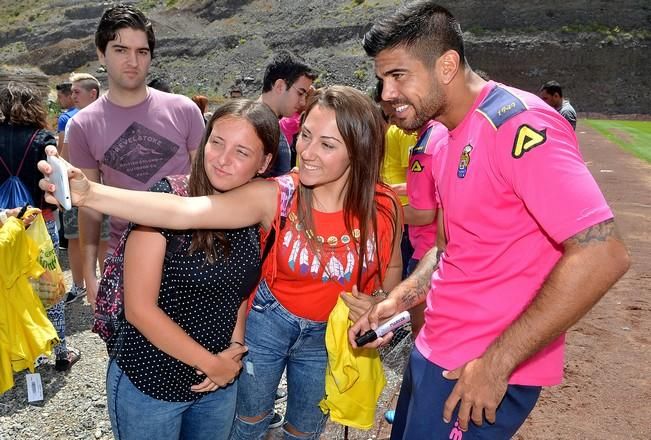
[[271, 239]]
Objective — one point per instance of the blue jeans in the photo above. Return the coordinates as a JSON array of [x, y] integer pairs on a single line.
[[277, 339], [57, 313], [135, 415], [424, 390]]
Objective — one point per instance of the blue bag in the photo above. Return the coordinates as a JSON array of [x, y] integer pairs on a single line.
[[13, 192]]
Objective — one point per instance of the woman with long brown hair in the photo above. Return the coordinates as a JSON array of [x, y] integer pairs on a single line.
[[340, 233], [184, 295], [23, 138]]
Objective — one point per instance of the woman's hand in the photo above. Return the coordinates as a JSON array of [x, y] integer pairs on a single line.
[[28, 217], [358, 303], [222, 369], [80, 186]]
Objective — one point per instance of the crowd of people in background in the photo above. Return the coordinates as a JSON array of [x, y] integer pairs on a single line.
[[244, 223]]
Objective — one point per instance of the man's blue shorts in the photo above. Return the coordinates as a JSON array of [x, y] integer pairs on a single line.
[[419, 414]]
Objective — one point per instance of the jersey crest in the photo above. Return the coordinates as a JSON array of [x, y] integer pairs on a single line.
[[464, 161]]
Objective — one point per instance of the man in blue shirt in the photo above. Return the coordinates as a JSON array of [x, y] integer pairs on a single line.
[[64, 97]]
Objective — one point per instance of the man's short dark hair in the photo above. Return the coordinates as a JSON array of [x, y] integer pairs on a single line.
[[160, 84], [64, 87], [552, 87], [120, 17], [288, 67], [423, 27]]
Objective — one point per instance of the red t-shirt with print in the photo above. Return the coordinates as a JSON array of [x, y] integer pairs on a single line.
[[310, 273]]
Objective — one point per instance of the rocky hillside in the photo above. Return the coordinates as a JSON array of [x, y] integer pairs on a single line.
[[599, 50]]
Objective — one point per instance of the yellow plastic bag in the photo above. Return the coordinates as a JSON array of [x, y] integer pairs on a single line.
[[50, 287]]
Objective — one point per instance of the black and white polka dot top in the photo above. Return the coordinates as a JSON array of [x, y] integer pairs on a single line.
[[201, 298]]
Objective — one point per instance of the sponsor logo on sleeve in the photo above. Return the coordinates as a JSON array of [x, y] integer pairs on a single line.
[[526, 139], [416, 167]]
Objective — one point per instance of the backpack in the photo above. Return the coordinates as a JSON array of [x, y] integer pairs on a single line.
[[109, 304], [13, 192]]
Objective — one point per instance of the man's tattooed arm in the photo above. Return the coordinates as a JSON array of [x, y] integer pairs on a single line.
[[598, 233], [593, 260], [414, 289]]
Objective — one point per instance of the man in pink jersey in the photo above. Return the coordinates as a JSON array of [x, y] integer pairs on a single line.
[[531, 242], [132, 136], [424, 157]]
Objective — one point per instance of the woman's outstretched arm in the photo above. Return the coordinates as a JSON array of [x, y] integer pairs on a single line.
[[247, 205], [250, 204]]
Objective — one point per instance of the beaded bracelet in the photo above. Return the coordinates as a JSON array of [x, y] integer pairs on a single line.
[[380, 293]]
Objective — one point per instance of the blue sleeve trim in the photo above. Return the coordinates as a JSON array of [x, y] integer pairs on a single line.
[[501, 105]]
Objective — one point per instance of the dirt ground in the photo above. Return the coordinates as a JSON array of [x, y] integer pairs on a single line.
[[607, 387]]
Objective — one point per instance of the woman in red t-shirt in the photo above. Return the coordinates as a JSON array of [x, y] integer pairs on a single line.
[[341, 233]]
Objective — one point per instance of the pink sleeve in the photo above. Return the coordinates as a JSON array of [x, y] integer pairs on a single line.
[[78, 147], [421, 190], [539, 156]]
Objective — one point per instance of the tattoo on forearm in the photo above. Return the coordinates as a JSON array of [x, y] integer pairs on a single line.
[[418, 284], [597, 233]]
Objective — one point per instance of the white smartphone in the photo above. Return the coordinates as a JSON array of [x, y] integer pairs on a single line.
[[59, 177]]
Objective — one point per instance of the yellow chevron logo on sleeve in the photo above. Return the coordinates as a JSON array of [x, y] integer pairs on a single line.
[[416, 167], [527, 138]]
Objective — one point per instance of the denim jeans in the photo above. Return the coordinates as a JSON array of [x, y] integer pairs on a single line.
[[57, 313], [135, 415], [277, 339]]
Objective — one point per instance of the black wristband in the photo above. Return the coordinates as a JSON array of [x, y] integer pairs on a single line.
[[22, 211], [238, 343]]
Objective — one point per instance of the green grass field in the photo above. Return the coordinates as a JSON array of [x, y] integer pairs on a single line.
[[633, 136]]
